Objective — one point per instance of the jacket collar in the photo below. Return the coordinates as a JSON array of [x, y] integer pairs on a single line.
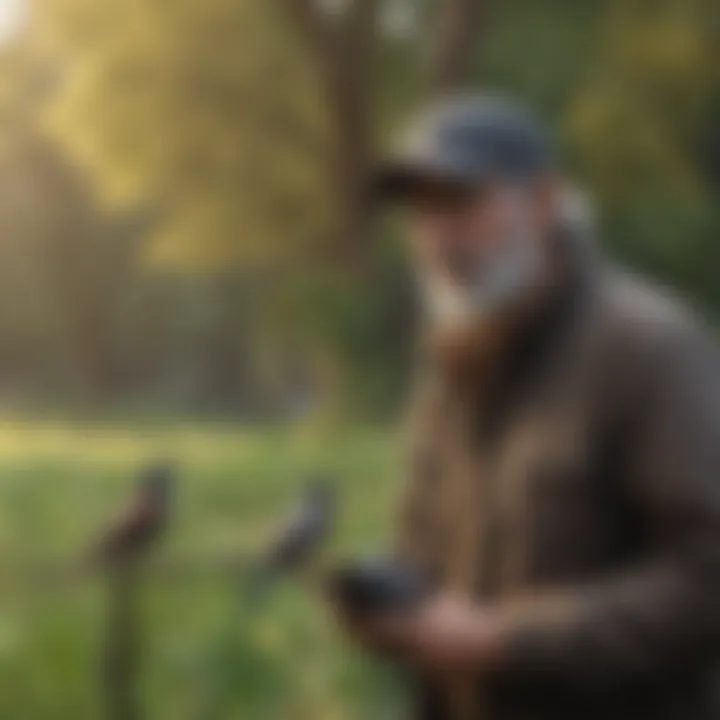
[[539, 340]]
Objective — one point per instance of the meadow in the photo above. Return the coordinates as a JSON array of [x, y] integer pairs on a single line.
[[204, 655]]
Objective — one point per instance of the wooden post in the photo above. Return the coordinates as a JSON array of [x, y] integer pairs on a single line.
[[122, 645], [120, 555]]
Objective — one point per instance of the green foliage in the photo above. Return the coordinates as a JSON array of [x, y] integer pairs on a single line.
[[641, 128], [366, 330], [632, 90], [209, 109]]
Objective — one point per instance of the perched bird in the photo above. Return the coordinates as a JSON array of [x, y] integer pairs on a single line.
[[298, 538], [142, 522]]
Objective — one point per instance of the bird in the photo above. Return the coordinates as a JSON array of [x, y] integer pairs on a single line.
[[143, 520], [298, 538]]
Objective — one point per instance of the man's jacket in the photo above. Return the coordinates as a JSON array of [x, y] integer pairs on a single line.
[[576, 486]]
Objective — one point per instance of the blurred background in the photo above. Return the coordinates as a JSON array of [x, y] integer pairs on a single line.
[[189, 267]]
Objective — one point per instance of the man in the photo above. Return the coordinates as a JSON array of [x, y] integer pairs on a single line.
[[564, 491]]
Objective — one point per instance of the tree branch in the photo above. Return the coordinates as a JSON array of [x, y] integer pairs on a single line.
[[319, 35], [356, 44], [342, 49], [344, 53], [459, 28], [360, 26]]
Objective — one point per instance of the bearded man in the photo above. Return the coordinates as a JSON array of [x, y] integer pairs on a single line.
[[564, 489]]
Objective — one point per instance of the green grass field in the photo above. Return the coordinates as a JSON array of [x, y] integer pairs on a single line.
[[203, 658]]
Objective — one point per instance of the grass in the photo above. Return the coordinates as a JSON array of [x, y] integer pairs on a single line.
[[60, 483]]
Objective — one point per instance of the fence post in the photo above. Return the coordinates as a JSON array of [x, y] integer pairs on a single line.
[[120, 554], [122, 646]]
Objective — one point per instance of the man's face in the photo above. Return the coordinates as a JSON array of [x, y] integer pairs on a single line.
[[477, 251]]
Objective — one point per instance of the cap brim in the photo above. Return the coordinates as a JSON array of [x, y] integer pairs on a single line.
[[396, 181]]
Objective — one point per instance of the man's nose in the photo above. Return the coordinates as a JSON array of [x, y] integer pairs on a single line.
[[458, 259]]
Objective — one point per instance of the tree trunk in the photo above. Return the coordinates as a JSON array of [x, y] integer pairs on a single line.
[[458, 31], [343, 51], [351, 164]]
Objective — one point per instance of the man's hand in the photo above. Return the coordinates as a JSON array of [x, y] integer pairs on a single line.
[[446, 634]]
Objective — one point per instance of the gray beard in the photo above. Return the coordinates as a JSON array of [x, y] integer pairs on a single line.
[[500, 286]]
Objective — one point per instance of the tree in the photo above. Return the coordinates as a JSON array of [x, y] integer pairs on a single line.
[[344, 45], [642, 127], [205, 110], [251, 127], [173, 101]]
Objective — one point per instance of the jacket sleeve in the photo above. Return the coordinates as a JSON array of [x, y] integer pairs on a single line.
[[662, 616]]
